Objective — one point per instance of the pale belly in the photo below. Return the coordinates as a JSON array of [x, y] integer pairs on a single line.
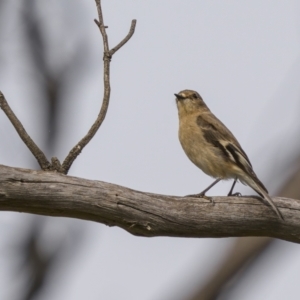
[[204, 155]]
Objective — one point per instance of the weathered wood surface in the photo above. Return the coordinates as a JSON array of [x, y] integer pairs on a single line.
[[145, 214]]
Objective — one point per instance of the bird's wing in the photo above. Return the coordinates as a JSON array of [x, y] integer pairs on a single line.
[[217, 134]]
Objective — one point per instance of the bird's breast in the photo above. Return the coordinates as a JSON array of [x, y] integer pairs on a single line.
[[203, 154]]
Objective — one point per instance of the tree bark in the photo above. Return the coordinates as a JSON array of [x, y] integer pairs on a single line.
[[145, 214]]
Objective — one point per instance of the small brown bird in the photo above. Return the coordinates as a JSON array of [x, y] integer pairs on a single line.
[[213, 148]]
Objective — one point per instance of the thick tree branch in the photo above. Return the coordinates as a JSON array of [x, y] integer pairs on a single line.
[[145, 214]]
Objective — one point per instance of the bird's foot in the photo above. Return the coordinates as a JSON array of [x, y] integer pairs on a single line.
[[235, 194], [202, 195]]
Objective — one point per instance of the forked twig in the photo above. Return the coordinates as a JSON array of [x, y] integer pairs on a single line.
[[35, 150], [125, 40], [75, 151]]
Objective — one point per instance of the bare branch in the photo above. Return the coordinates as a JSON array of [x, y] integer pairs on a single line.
[[145, 214], [35, 150], [125, 40], [106, 71], [101, 26]]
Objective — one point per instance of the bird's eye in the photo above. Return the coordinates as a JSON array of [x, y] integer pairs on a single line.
[[195, 96]]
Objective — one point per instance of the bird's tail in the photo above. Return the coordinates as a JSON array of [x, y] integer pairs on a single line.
[[259, 188]]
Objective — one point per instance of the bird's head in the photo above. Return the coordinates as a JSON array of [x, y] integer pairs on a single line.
[[189, 101]]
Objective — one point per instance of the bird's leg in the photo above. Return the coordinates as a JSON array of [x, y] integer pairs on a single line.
[[202, 194], [231, 190]]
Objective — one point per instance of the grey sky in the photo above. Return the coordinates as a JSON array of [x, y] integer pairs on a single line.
[[241, 56]]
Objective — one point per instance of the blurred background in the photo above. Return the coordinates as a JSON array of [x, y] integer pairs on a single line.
[[243, 57]]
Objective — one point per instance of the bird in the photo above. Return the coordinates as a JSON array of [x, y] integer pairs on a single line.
[[211, 146]]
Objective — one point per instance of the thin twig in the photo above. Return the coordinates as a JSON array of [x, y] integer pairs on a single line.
[[35, 150], [125, 40], [106, 70], [101, 26]]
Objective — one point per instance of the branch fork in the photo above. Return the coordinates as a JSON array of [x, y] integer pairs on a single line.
[[55, 164]]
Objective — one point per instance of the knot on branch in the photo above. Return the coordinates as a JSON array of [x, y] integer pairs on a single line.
[[139, 226], [107, 56], [56, 165]]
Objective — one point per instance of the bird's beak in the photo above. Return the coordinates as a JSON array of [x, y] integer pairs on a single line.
[[179, 97]]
